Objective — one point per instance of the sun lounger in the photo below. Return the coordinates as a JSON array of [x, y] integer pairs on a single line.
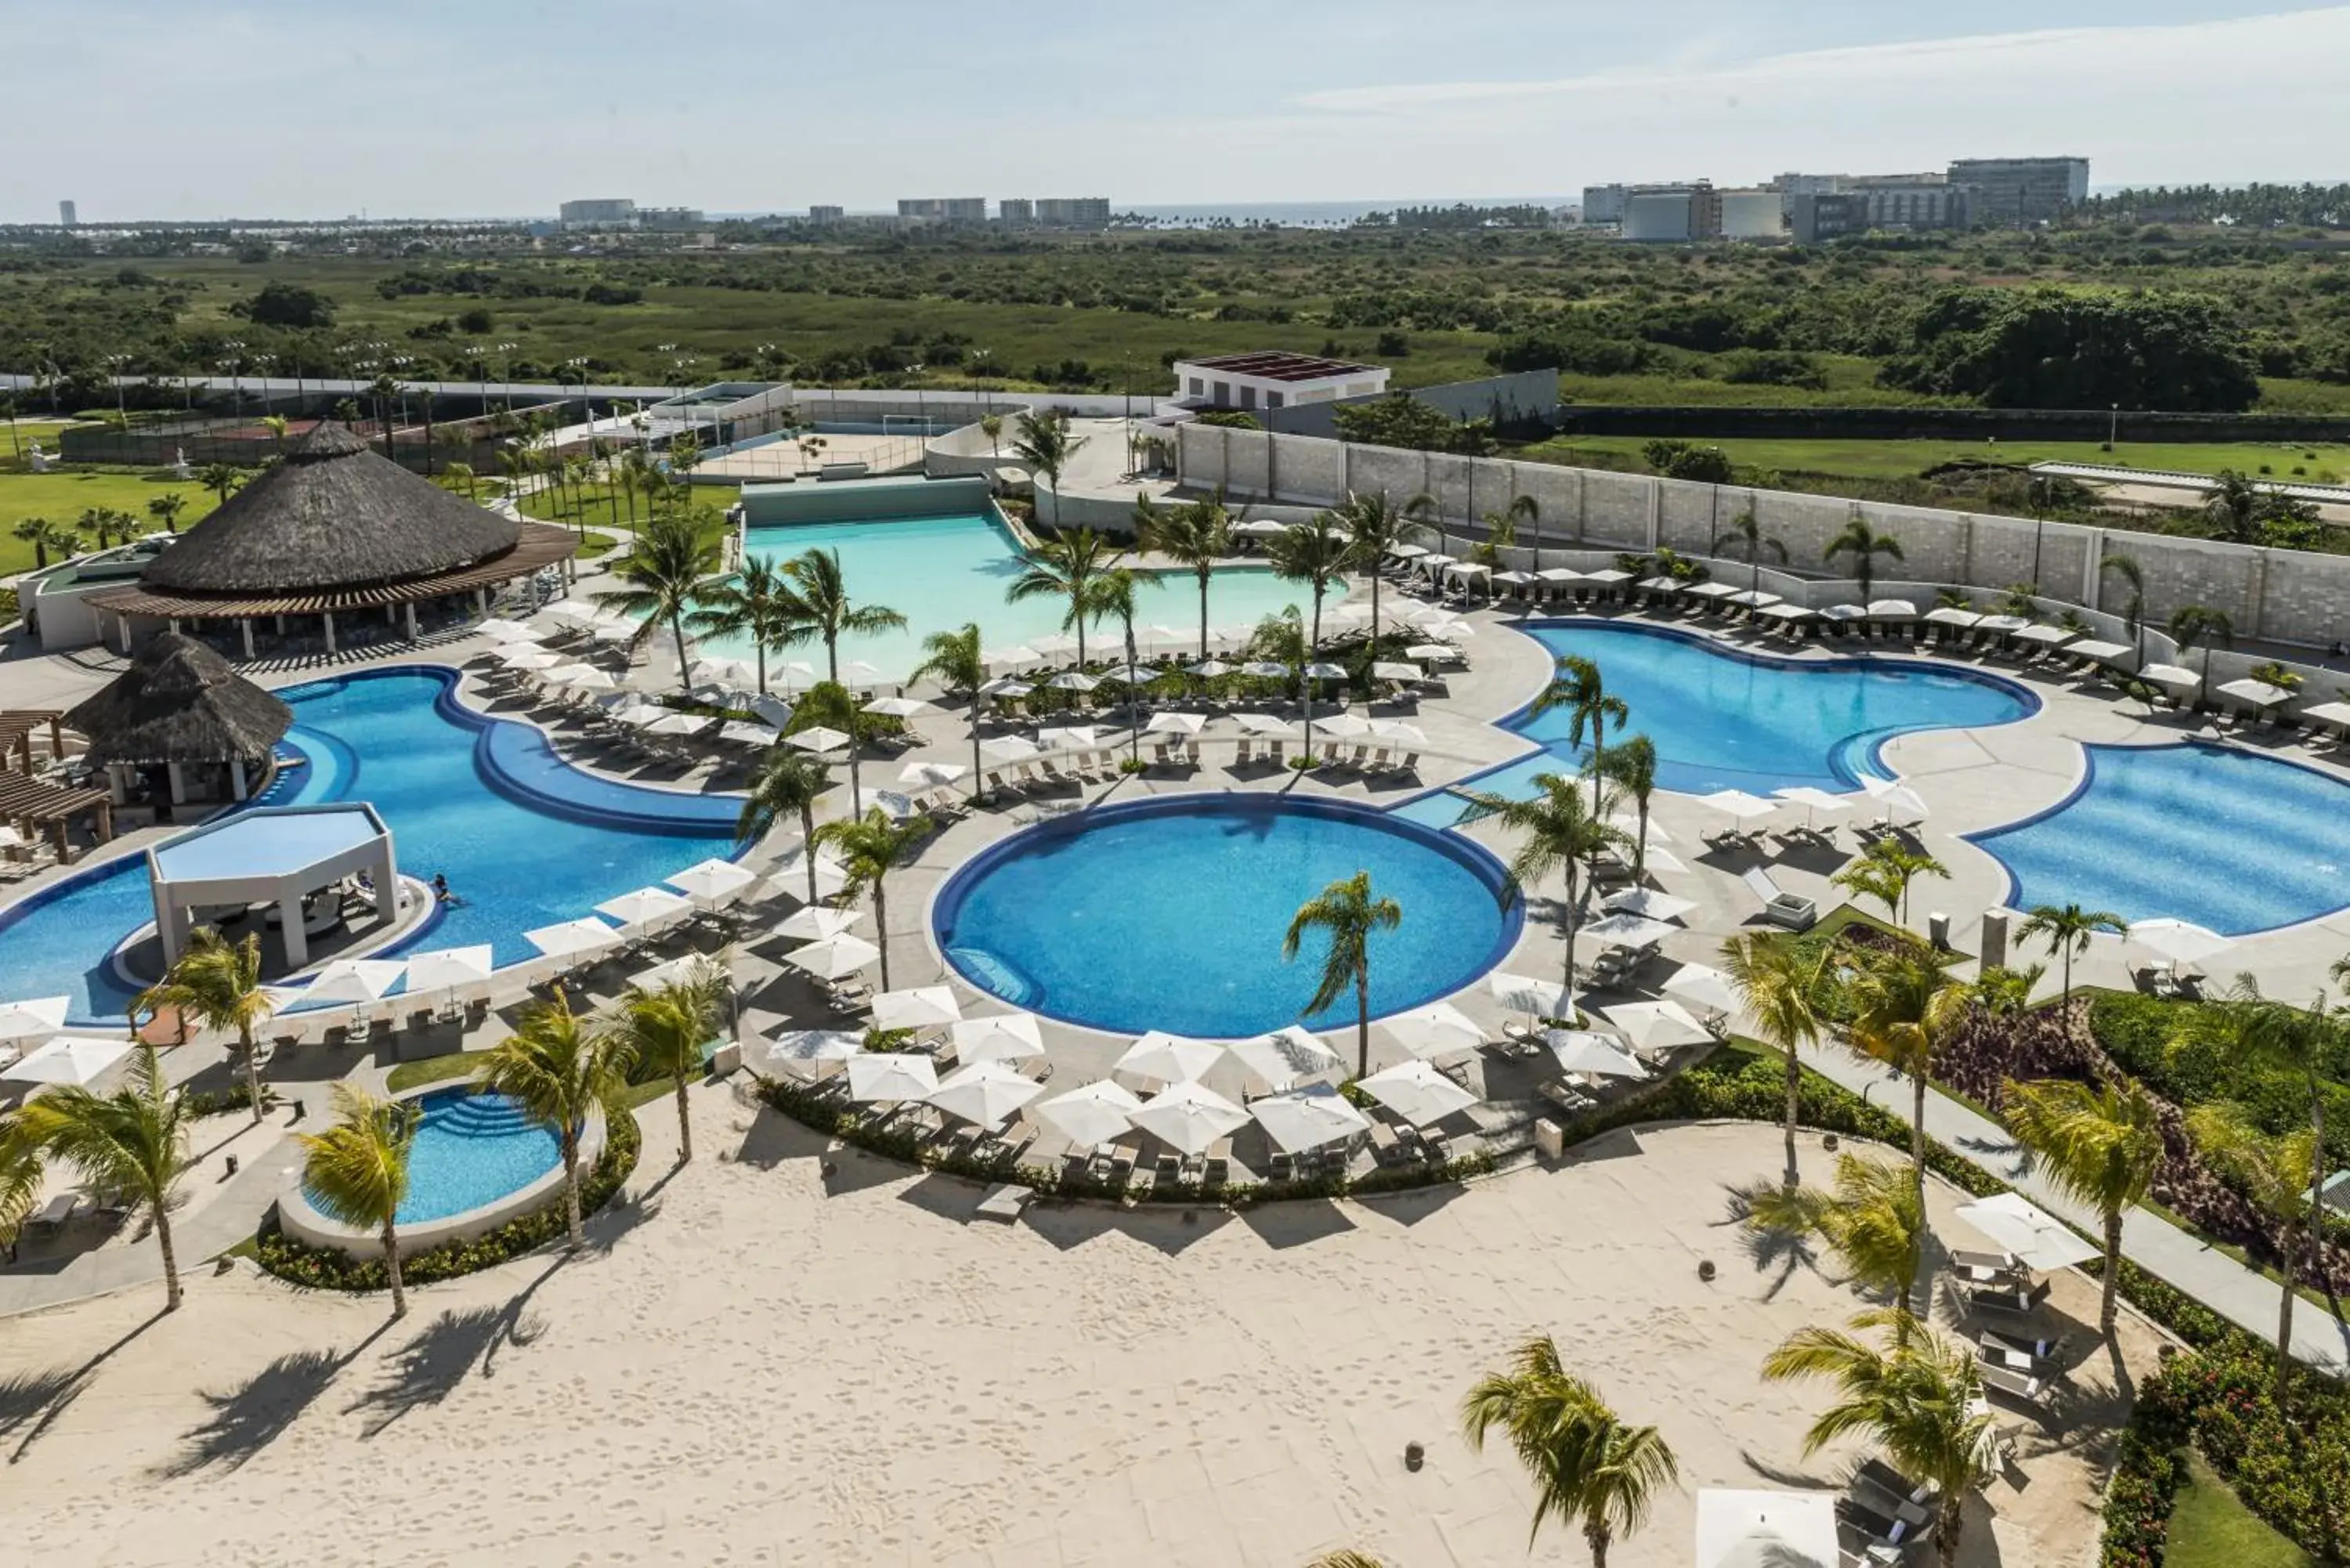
[[2021, 1386], [1988, 1269], [2022, 1352], [1790, 911], [2010, 1303], [54, 1215]]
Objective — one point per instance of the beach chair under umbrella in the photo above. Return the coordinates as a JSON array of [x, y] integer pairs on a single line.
[[1190, 1116], [1000, 1037], [1097, 1113], [75, 1059], [712, 882], [1440, 1029], [915, 1007], [1307, 1118], [1281, 1059], [984, 1093], [645, 910], [41, 1015], [834, 958], [879, 1077], [1163, 1058], [1417, 1093]]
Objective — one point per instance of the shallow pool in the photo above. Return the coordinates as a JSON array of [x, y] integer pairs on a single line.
[[942, 573], [1169, 914], [471, 1148], [2226, 838]]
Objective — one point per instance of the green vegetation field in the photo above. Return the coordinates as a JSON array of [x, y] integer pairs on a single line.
[[2210, 1529], [597, 505], [1902, 458], [62, 497]]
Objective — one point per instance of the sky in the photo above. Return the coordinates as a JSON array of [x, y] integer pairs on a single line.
[[203, 109]]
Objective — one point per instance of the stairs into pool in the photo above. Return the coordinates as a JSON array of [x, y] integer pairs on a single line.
[[997, 975]]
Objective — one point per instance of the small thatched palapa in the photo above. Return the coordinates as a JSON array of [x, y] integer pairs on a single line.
[[181, 702]]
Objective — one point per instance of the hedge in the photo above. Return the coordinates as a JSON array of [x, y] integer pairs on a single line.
[[323, 1268], [2142, 1033]]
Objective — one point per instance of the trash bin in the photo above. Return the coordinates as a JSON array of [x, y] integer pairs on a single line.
[[1550, 1139], [1938, 931]]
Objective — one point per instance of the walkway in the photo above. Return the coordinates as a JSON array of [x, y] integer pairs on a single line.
[[2175, 1256]]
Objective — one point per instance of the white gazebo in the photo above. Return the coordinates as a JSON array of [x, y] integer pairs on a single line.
[[272, 855]]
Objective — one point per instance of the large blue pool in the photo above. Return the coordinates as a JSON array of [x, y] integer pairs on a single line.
[[524, 839], [2225, 839], [471, 1148], [1169, 914], [1725, 718]]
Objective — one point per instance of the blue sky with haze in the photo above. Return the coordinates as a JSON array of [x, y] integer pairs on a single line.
[[194, 109]]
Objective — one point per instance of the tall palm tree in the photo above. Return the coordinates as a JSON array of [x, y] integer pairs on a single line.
[[131, 1143], [1114, 598], [166, 509], [2067, 930], [667, 577], [1745, 532], [276, 425], [1577, 686], [2236, 506], [789, 783], [357, 1171], [1348, 912], [2279, 1174], [1195, 537], [1527, 510], [1784, 981], [1919, 1398], [1067, 566], [1562, 834], [36, 532], [992, 427], [220, 478], [663, 1030], [216, 984], [2101, 1147], [1864, 544], [952, 658], [1631, 767], [561, 1070], [2133, 576], [816, 599], [1885, 871], [1872, 1220], [2201, 626], [1907, 1007], [1375, 527], [1316, 553], [1043, 441], [751, 603], [870, 848], [20, 1177], [1590, 1469]]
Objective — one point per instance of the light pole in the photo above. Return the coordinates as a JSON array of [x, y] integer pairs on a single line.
[[235, 366], [505, 370], [114, 363], [2114, 429]]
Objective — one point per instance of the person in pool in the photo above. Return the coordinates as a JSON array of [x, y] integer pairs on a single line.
[[441, 893]]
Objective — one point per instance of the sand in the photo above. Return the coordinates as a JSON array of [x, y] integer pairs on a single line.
[[760, 1364]]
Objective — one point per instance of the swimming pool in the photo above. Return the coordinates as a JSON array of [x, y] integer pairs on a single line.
[[1170, 913], [524, 839], [472, 1148], [2226, 838], [943, 572], [1726, 718]]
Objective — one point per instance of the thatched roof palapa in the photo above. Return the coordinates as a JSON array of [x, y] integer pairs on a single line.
[[181, 702]]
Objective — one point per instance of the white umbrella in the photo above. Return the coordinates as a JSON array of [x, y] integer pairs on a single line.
[[817, 738], [1072, 681], [1398, 730], [712, 881], [1307, 1118], [1321, 669], [2035, 1238], [68, 1059], [636, 714], [1649, 904], [1630, 930], [1171, 722], [1440, 1029], [354, 979], [1514, 578], [1813, 799], [497, 629], [1266, 725], [791, 872], [2180, 940], [1129, 674], [2099, 651], [1281, 1059], [1007, 688], [859, 674], [1260, 528], [1737, 802], [1265, 669], [800, 1051], [526, 656], [984, 1093], [815, 922], [899, 707], [1708, 988], [1010, 749], [1406, 552], [2007, 624], [573, 939], [834, 956], [1559, 575], [2169, 675], [1892, 609], [1431, 652], [1519, 993], [674, 972], [1739, 1529], [772, 710], [2258, 693], [915, 1007], [884, 1076], [1054, 643], [725, 673], [932, 775], [1016, 654], [645, 909], [1070, 737], [735, 732], [1343, 725], [448, 969], [38, 1016], [1955, 618], [581, 677], [1581, 1051], [1607, 576], [1165, 1058], [1389, 670], [1209, 667], [1656, 1025], [897, 805], [1895, 797], [616, 630], [1097, 1113], [1004, 1037], [1416, 1092], [1189, 1116]]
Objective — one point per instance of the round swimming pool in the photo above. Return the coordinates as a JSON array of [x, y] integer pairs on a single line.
[[1169, 914], [472, 1148]]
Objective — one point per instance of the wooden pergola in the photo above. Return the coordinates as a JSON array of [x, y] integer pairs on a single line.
[[17, 734], [47, 807]]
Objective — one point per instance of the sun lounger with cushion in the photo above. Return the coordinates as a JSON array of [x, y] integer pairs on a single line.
[[1988, 1268], [1791, 910], [2021, 1386]]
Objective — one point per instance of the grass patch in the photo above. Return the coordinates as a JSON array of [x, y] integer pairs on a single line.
[[2210, 1528], [592, 545], [432, 1070], [1858, 459], [63, 497]]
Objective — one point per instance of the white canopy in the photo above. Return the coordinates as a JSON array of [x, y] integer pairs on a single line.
[[645, 909], [1708, 988], [447, 968], [1321, 670], [1265, 669], [1265, 724], [2047, 635], [899, 707], [2328, 713], [1343, 725], [1582, 1051], [712, 881], [2258, 693], [929, 775], [2169, 675], [678, 724], [1005, 686], [1281, 1059], [1307, 1118], [1813, 799], [858, 674], [816, 738], [1004, 1037], [885, 1076], [1416, 1092], [672, 971], [582, 677], [1010, 749], [68, 1059], [1520, 993], [1766, 1528], [573, 939], [1391, 669], [1164, 1058], [1072, 681], [1070, 737], [497, 629], [1172, 722], [1440, 1029], [814, 923], [833, 957], [1016, 654], [1656, 1025], [801, 1052], [2102, 652], [984, 1092], [915, 1007], [1631, 931], [1189, 1116], [2008, 624], [354, 979], [736, 732], [37, 1017], [2181, 941], [1208, 669], [1737, 802], [1097, 1113], [1892, 609], [1431, 652], [1648, 904], [1952, 616], [526, 656], [2034, 1237]]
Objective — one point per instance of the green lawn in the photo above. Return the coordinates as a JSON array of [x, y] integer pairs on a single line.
[[595, 504], [17, 442], [432, 1070], [62, 497], [1902, 458], [2210, 1529]]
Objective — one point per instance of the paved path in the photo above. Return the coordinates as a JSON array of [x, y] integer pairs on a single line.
[[2153, 1243]]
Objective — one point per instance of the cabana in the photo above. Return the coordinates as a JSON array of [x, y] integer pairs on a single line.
[[278, 856], [179, 706]]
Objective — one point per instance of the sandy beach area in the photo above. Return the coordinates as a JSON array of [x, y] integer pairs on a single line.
[[761, 1364]]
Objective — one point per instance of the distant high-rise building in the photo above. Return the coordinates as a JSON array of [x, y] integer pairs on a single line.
[[1603, 203], [1016, 210], [67, 216], [827, 214], [2021, 191], [602, 213], [945, 209], [1826, 216], [1074, 212]]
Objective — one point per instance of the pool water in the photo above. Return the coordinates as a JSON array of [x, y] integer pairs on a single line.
[[1169, 914], [942, 573], [472, 1148], [2225, 839], [1724, 718], [524, 839]]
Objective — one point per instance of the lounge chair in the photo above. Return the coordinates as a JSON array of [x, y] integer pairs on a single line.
[[1790, 911], [2022, 1387], [54, 1215], [1990, 1269], [2011, 1304], [2040, 1355]]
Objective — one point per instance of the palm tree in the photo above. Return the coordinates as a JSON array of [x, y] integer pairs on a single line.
[[870, 848], [1631, 767], [1885, 871], [1346, 911], [1045, 444], [357, 1171], [1067, 566], [1501, 533], [1589, 1468], [2068, 930], [1872, 1220], [166, 509], [1316, 553], [1783, 979], [1374, 527], [1745, 531], [220, 478], [751, 603], [20, 1177], [952, 658], [668, 574], [2279, 1174], [217, 985], [1920, 1400], [663, 1031], [2133, 577], [1578, 687], [2201, 626], [992, 427], [1864, 544], [276, 425], [37, 532], [816, 599], [383, 392], [1906, 1006], [1562, 834], [1525, 509], [2236, 506], [2100, 1146], [560, 1070], [1424, 510], [1196, 537], [789, 783], [1114, 598], [131, 1144]]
